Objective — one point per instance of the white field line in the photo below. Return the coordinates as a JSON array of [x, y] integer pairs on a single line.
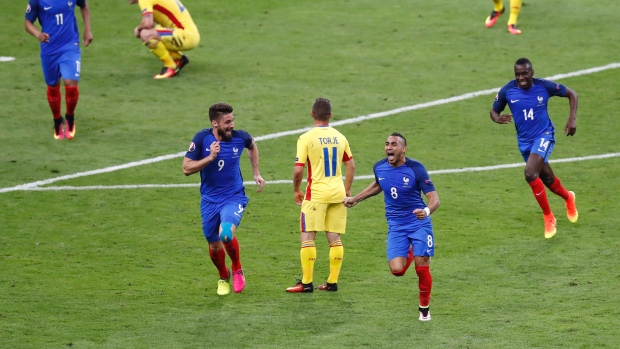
[[33, 185], [249, 184]]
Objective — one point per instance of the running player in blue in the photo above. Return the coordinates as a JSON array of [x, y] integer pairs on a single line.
[[215, 153], [410, 231], [527, 98], [60, 54]]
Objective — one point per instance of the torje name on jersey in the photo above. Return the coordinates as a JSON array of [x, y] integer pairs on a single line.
[[328, 140]]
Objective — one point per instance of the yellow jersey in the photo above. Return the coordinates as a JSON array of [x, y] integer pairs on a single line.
[[168, 13], [323, 149]]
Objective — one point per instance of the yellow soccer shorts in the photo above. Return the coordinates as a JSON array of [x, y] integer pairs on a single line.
[[330, 217], [176, 39]]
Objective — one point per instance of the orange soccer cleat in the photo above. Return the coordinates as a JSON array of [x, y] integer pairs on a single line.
[[181, 62], [492, 19], [571, 208], [59, 129], [301, 288], [512, 28], [70, 128], [550, 229], [166, 73]]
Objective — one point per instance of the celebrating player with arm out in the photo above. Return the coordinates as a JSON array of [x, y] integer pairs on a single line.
[[527, 98], [60, 54], [324, 150], [166, 29], [215, 153], [410, 231]]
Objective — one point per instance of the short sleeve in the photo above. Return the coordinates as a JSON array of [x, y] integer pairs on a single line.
[[302, 152], [347, 155], [499, 104], [554, 89], [422, 178], [32, 10], [195, 147]]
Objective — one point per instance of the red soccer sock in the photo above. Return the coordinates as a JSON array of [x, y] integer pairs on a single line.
[[425, 283], [558, 189], [232, 248], [219, 260], [53, 98], [72, 95], [538, 188]]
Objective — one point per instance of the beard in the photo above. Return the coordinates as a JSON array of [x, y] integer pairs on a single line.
[[224, 135]]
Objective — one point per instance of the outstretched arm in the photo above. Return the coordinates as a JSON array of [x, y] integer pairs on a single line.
[[88, 35], [253, 155], [373, 189], [573, 101]]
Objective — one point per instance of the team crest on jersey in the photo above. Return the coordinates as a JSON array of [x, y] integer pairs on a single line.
[[28, 8], [70, 3], [192, 147], [405, 181], [496, 97], [540, 100]]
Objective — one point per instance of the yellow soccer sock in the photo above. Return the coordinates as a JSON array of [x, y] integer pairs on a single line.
[[308, 257], [336, 253], [175, 54], [515, 8], [159, 49], [497, 5]]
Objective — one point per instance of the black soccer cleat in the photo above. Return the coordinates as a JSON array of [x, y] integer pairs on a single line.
[[329, 287], [301, 288]]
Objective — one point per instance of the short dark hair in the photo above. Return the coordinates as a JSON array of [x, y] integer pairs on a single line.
[[321, 109], [523, 61], [396, 134], [219, 109]]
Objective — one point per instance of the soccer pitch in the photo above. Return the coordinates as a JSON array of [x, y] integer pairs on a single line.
[[101, 236]]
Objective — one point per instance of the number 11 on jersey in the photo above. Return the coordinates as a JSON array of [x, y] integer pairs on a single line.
[[329, 160]]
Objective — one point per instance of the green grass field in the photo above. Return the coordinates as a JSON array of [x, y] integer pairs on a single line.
[[87, 264]]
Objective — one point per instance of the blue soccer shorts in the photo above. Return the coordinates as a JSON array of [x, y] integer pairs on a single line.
[[65, 65], [422, 240], [542, 146], [214, 214]]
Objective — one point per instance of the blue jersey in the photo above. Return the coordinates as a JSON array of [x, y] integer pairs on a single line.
[[57, 18], [529, 107], [402, 191], [221, 179]]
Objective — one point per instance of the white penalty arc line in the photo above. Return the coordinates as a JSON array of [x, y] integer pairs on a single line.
[[302, 130], [250, 183]]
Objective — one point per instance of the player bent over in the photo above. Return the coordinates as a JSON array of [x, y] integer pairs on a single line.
[[167, 29]]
